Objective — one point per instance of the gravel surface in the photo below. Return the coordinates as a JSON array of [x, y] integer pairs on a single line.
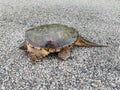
[[87, 69]]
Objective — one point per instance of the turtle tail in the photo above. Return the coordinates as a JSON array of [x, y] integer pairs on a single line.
[[85, 43]]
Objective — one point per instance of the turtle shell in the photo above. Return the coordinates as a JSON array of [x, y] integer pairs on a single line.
[[51, 36]]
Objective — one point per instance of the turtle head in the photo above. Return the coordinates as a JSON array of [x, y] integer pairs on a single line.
[[23, 46]]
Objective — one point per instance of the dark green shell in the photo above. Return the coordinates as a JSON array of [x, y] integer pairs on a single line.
[[51, 36]]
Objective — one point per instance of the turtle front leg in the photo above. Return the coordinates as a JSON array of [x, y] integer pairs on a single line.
[[64, 53], [36, 53], [32, 57]]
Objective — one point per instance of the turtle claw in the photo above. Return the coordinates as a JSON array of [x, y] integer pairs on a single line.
[[64, 53]]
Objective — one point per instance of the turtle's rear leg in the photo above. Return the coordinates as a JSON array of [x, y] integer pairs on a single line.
[[64, 53], [85, 43]]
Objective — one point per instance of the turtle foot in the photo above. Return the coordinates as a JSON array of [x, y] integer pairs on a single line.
[[33, 58], [64, 53]]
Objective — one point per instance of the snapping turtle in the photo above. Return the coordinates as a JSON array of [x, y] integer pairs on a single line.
[[43, 40]]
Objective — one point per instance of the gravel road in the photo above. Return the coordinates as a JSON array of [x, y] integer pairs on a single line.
[[93, 68]]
